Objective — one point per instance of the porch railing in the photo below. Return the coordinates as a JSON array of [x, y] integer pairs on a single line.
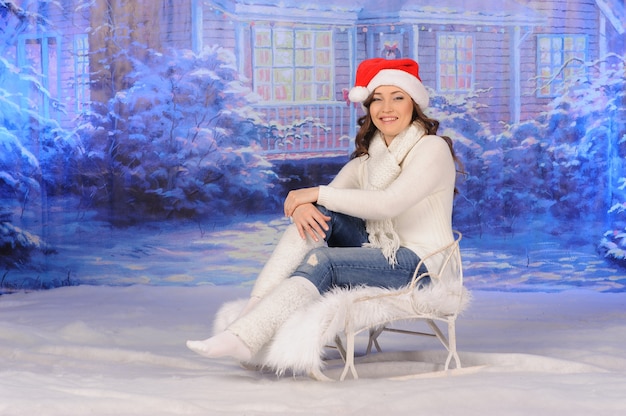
[[307, 128]]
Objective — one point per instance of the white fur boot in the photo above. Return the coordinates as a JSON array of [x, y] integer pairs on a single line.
[[245, 337], [258, 326], [286, 257]]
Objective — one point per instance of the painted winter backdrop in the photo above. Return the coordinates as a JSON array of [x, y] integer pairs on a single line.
[[166, 182], [147, 197]]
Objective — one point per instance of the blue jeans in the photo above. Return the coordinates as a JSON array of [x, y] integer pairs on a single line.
[[345, 263]]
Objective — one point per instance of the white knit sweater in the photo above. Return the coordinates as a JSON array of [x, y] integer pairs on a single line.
[[419, 201]]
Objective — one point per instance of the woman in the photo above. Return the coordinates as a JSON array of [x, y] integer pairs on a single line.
[[388, 206]]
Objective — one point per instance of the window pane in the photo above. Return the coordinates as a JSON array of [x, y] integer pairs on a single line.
[[262, 75], [580, 44], [304, 92], [283, 39], [283, 84], [262, 38], [264, 91], [289, 63], [324, 91], [281, 93], [283, 76], [559, 57], [283, 57], [456, 61], [304, 75], [81, 72], [304, 40], [304, 57], [323, 57], [263, 57], [323, 40], [568, 43], [322, 74]]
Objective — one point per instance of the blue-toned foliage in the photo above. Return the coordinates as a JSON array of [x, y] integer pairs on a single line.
[[180, 141], [564, 167], [33, 152]]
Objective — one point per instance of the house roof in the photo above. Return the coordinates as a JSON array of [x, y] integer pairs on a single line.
[[615, 13], [336, 12], [507, 13]]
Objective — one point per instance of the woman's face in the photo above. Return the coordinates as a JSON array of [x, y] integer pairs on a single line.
[[391, 111]]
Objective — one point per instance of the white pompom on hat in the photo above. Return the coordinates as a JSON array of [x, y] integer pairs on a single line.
[[402, 73]]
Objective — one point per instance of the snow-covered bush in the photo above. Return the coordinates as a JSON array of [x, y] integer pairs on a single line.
[[180, 141], [565, 166], [34, 156], [459, 120], [613, 246], [17, 245], [592, 160], [492, 195]]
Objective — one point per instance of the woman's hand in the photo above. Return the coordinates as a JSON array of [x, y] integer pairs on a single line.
[[298, 197], [309, 220]]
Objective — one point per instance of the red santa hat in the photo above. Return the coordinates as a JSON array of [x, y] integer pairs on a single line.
[[402, 73]]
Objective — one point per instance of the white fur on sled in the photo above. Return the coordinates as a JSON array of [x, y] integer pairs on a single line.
[[299, 344]]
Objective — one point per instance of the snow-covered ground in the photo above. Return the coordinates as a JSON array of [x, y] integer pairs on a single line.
[[232, 251], [89, 350], [545, 334]]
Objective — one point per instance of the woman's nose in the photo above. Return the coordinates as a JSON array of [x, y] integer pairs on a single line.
[[386, 105]]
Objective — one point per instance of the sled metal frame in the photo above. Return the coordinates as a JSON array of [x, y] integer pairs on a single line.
[[452, 258]]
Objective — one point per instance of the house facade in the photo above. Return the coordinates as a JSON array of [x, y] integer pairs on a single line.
[[300, 57]]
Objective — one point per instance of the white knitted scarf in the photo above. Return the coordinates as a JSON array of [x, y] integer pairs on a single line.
[[384, 166]]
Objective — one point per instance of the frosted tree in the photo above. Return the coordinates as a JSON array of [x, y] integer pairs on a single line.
[[180, 141], [32, 146], [564, 167]]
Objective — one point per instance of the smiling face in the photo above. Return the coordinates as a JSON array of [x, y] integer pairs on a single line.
[[391, 111]]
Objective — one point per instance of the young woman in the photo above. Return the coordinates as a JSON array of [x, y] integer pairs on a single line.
[[388, 206]]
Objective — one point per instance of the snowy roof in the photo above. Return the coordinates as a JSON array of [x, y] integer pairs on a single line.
[[336, 12], [508, 12], [615, 13]]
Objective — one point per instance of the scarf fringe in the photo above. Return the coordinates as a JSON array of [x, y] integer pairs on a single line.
[[388, 243]]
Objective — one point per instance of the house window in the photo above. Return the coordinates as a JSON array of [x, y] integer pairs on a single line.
[[455, 62], [559, 58], [81, 72], [293, 64], [41, 55]]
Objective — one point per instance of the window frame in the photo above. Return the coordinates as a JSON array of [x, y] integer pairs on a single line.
[[82, 82], [42, 53], [293, 64], [557, 64], [453, 63]]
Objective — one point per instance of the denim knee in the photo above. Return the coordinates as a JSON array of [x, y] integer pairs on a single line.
[[344, 230], [317, 268]]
